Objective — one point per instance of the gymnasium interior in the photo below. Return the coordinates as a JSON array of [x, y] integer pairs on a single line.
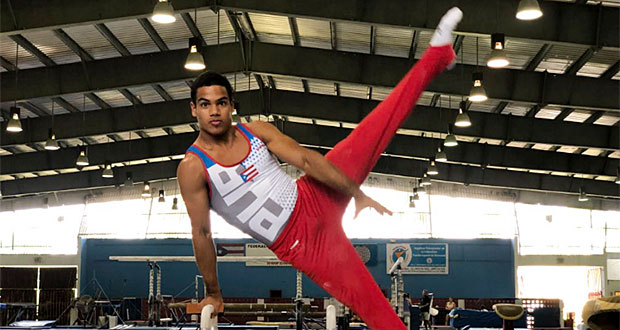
[[504, 181]]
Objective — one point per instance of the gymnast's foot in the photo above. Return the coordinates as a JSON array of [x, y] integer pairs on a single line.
[[443, 32]]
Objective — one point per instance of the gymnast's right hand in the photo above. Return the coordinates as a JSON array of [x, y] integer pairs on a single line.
[[362, 201], [216, 301]]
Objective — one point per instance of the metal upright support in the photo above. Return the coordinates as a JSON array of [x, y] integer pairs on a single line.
[[299, 317]]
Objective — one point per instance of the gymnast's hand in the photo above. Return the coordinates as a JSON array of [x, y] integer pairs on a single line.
[[362, 201], [216, 301]]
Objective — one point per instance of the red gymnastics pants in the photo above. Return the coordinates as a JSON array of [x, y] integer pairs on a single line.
[[314, 242]]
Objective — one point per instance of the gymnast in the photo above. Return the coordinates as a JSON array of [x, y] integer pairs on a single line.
[[231, 169]]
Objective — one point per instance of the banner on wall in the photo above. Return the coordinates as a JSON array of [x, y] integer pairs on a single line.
[[261, 250], [419, 258]]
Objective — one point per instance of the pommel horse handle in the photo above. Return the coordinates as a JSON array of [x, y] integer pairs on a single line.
[[331, 318], [206, 322]]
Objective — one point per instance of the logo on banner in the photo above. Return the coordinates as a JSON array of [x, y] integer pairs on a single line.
[[401, 251]]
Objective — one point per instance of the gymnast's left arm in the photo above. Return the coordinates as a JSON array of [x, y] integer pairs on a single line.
[[314, 164]]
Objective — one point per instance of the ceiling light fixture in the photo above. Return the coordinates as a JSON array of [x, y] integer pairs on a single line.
[[528, 10], [498, 58], [107, 172], [194, 61], [583, 197], [146, 190], [432, 169], [462, 119], [163, 12], [82, 159], [14, 125], [51, 143], [441, 156]]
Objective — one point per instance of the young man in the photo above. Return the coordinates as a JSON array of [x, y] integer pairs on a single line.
[[230, 168]]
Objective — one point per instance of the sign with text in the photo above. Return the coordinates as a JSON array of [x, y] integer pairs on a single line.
[[419, 258], [261, 250]]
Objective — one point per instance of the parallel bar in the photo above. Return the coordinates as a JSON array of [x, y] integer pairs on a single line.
[[190, 258], [306, 105]]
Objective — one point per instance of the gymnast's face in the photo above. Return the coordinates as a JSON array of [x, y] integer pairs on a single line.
[[213, 109]]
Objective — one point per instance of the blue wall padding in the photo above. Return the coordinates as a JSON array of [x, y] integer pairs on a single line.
[[481, 268]]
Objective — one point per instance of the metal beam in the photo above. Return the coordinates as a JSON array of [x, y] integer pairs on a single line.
[[32, 49], [557, 25], [388, 165], [6, 64], [77, 49], [323, 136], [251, 30], [324, 107], [292, 23], [434, 100], [458, 43], [129, 96], [191, 25], [500, 107], [162, 92], [34, 109], [112, 39], [373, 39], [97, 100], [150, 30], [539, 57], [581, 61], [333, 35], [414, 44], [611, 71], [594, 117], [563, 114], [65, 104], [369, 70]]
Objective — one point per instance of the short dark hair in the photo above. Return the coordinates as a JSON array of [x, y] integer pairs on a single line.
[[211, 79]]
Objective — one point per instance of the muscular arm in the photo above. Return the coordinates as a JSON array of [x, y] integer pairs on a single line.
[[313, 163], [309, 161], [194, 191]]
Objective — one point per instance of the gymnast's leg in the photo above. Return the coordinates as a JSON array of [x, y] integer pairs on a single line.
[[324, 252]]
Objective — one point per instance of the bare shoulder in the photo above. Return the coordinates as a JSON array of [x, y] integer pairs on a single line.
[[190, 169], [264, 130]]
